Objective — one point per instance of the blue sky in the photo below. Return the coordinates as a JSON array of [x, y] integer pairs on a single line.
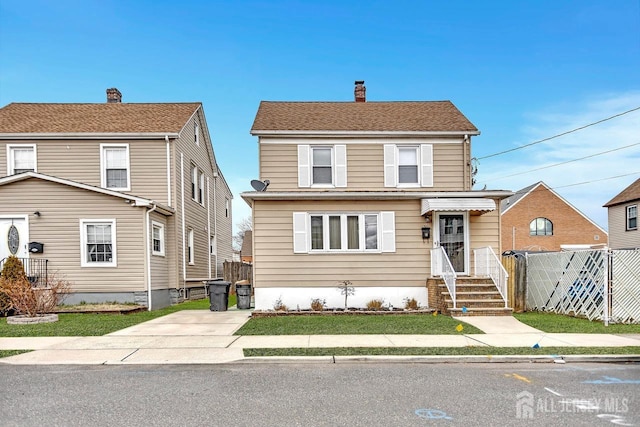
[[520, 71]]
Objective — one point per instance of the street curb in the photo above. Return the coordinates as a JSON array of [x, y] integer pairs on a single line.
[[595, 358]]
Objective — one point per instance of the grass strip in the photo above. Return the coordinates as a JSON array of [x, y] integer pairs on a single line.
[[418, 324], [91, 324], [7, 353], [437, 351], [559, 323]]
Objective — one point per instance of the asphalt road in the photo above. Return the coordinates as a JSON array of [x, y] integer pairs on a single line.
[[345, 394]]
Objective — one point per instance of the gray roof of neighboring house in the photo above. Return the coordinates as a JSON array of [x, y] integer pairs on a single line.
[[630, 193], [406, 116], [510, 201]]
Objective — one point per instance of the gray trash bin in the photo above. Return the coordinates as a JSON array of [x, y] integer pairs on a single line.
[[243, 293], [218, 295]]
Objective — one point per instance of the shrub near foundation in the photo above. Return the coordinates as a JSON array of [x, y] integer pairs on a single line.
[[26, 299]]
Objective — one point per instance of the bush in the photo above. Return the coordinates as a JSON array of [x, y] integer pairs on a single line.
[[279, 306], [375, 304], [12, 270], [411, 304], [317, 304], [26, 299]]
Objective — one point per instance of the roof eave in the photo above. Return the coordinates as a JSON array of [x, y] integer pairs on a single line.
[[373, 133], [88, 135], [370, 195]]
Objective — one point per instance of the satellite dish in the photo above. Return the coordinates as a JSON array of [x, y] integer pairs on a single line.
[[260, 185]]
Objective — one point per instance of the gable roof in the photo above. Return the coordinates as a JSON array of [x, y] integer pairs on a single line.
[[630, 193], [521, 194], [506, 204], [134, 200], [105, 118], [410, 116]]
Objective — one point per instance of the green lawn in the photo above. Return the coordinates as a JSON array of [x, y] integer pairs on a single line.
[[436, 351], [88, 324], [425, 324], [7, 353], [558, 323]]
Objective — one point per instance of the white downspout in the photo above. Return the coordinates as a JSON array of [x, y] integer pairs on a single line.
[[166, 138], [215, 215], [184, 261], [209, 224], [148, 254]]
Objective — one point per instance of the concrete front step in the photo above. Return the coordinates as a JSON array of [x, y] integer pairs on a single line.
[[481, 312], [475, 303], [474, 287], [476, 295]]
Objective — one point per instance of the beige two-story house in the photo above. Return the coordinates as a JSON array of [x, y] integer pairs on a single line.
[[374, 193], [124, 200]]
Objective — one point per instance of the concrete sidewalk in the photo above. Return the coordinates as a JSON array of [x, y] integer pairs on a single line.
[[205, 337]]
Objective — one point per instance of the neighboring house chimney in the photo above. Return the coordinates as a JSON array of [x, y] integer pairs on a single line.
[[113, 95], [360, 91]]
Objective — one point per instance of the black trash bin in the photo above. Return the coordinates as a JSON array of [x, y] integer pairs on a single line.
[[218, 295], [243, 293]]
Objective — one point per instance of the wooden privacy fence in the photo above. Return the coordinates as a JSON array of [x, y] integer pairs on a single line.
[[516, 267], [235, 271]]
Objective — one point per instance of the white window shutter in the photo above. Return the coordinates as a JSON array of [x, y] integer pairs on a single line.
[[304, 166], [341, 165], [300, 234], [388, 231], [426, 165], [390, 166]]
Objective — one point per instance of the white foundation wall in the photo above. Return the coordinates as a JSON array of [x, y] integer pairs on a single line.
[[300, 298]]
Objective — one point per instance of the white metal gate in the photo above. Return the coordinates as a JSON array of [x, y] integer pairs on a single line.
[[625, 286], [580, 283]]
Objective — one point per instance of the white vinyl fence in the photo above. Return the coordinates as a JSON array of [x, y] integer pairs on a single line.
[[596, 284]]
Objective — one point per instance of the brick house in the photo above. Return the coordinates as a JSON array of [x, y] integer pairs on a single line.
[[537, 218]]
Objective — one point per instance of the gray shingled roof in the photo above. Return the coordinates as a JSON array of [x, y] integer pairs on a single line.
[[95, 118], [427, 116], [512, 200]]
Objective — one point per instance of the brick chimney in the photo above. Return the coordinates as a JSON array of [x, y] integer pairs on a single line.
[[360, 91], [113, 95]]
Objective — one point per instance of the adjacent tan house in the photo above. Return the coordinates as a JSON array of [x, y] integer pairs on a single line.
[[125, 200], [536, 218], [374, 193], [623, 218], [247, 246]]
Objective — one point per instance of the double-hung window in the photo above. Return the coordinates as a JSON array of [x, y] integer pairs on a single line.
[[344, 232], [322, 166], [98, 242], [190, 247], [196, 133], [114, 161], [408, 165], [21, 158], [632, 217], [157, 238], [197, 184]]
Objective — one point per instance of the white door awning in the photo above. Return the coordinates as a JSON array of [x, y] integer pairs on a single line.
[[465, 205]]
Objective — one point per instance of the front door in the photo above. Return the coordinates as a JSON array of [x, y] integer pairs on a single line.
[[452, 234], [14, 235]]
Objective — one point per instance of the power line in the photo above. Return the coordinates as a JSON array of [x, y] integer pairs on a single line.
[[598, 180], [560, 134], [563, 163]]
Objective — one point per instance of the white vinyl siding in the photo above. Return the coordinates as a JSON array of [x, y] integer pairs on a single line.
[[21, 158], [157, 236], [322, 166], [408, 166], [98, 243], [115, 167], [343, 232]]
